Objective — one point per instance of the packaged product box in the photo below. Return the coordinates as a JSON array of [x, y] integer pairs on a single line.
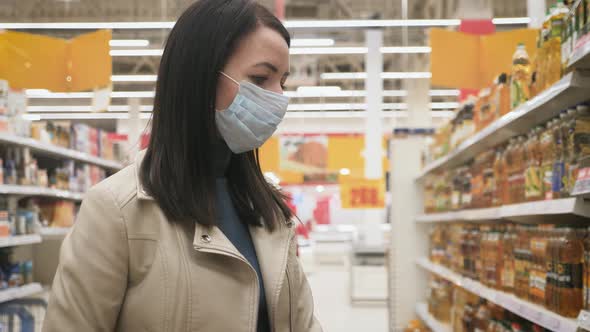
[[81, 136], [93, 141]]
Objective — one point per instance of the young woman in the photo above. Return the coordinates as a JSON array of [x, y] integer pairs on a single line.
[[191, 237]]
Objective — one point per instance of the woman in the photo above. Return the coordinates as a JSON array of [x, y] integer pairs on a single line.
[[191, 237]]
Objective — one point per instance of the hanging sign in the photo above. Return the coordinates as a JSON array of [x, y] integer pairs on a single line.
[[362, 194]]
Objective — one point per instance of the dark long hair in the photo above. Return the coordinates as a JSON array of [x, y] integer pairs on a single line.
[[177, 169]]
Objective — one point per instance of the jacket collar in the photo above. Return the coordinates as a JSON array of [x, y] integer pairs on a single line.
[[141, 193]]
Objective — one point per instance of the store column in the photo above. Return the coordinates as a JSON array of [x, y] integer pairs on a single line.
[[372, 232]]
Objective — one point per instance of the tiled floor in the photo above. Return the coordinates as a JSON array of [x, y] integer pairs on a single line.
[[333, 309]]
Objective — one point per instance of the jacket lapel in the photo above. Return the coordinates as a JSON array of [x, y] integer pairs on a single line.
[[272, 250]]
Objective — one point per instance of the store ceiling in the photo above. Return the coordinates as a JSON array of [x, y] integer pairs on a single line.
[[310, 67]]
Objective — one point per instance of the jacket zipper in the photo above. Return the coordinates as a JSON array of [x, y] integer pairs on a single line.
[[256, 286], [290, 301]]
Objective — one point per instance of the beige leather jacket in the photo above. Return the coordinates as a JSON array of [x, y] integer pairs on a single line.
[[124, 267]]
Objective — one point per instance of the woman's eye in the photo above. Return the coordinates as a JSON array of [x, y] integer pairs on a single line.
[[258, 80]]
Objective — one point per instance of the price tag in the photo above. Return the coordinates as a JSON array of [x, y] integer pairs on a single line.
[[582, 185]]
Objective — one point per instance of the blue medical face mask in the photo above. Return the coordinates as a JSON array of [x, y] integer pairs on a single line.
[[252, 117]]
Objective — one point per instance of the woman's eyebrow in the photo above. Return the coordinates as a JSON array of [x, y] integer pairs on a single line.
[[268, 65]]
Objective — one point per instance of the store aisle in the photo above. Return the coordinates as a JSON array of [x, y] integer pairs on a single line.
[[331, 294]]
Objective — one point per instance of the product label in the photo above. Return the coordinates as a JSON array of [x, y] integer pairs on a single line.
[[508, 276], [548, 181], [537, 283], [570, 275], [533, 182], [558, 171], [556, 27]]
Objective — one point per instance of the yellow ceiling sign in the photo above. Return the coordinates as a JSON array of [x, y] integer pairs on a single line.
[[39, 62], [362, 194], [461, 60]]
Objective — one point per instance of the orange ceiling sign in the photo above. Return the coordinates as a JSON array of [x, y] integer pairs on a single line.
[[461, 60], [39, 62]]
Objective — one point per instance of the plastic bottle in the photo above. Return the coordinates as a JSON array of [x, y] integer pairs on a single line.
[[559, 162], [548, 148], [508, 238], [521, 77], [569, 269]]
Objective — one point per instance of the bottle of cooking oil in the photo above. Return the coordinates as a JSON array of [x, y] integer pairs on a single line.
[[521, 77]]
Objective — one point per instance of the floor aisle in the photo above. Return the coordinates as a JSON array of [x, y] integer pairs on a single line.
[[331, 294]]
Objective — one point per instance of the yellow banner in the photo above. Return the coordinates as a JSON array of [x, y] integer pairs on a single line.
[[362, 194], [461, 60], [31, 61]]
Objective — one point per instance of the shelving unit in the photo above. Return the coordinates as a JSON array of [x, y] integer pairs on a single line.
[[410, 226], [530, 311], [16, 190], [54, 232], [429, 320], [580, 58], [570, 90], [567, 210], [57, 151], [20, 292], [19, 240]]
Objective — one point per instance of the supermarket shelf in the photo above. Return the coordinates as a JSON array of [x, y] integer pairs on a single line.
[[52, 150], [54, 232], [20, 292], [19, 240], [532, 312], [39, 191], [580, 58], [566, 210], [429, 320], [570, 90]]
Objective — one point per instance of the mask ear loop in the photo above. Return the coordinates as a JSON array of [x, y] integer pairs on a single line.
[[226, 75]]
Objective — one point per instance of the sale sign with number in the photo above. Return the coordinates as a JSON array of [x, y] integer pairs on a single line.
[[362, 194]]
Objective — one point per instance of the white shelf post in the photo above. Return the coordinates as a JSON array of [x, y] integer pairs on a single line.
[[409, 240]]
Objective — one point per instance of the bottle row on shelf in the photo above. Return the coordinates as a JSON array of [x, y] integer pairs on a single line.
[[14, 273], [467, 312], [562, 31], [19, 167], [542, 165], [75, 136], [546, 265]]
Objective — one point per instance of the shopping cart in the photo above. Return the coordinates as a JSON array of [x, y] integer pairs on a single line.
[[22, 315]]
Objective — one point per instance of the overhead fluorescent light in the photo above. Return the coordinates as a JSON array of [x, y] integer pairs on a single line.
[[386, 75], [45, 94], [302, 92], [133, 78], [289, 24], [76, 116], [133, 94], [148, 52], [129, 43], [289, 115], [342, 106], [311, 42], [443, 106], [87, 25], [318, 90], [445, 93], [359, 114], [299, 51], [37, 94], [369, 23], [405, 49], [511, 20], [83, 108]]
